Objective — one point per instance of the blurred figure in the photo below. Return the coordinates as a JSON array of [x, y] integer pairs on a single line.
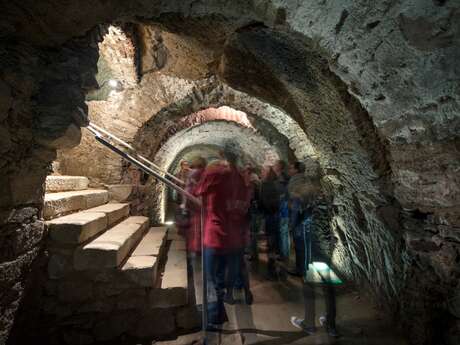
[[226, 202], [280, 169], [182, 217], [284, 240], [253, 183], [284, 237], [270, 192], [193, 233], [304, 196], [184, 169], [298, 213]]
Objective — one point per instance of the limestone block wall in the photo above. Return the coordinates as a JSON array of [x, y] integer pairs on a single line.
[[84, 307]]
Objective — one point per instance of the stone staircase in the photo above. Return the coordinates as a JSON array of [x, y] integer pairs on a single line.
[[109, 273]]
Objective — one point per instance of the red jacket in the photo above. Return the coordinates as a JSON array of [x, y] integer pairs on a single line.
[[226, 202], [193, 233]]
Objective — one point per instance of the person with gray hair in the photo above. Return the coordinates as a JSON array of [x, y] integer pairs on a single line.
[[230, 152]]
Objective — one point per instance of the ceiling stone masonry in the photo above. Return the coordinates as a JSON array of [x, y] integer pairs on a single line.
[[367, 93]]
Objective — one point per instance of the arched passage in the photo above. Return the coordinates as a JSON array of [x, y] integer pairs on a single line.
[[254, 148], [410, 120]]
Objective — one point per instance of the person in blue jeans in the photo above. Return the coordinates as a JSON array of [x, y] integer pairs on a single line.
[[284, 235], [307, 324], [225, 200], [222, 268], [299, 220], [298, 212], [304, 195]]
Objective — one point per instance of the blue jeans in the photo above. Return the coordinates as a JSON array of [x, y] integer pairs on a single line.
[[302, 244], [284, 238], [221, 271]]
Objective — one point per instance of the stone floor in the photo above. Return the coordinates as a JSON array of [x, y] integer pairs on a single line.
[[267, 320]]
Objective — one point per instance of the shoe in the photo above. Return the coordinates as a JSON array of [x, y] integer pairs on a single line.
[[299, 323], [331, 331], [248, 297], [322, 320]]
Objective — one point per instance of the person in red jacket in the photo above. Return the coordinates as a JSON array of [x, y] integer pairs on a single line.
[[226, 201]]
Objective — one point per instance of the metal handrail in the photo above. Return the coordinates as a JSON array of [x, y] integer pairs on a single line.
[[125, 144], [198, 201]]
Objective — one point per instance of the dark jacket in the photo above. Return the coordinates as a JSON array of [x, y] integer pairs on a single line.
[[270, 192]]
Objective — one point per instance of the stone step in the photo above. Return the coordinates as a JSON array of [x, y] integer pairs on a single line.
[[141, 270], [175, 274], [66, 183], [78, 227], [142, 266], [113, 211], [178, 245], [152, 243], [173, 292], [62, 203], [111, 248]]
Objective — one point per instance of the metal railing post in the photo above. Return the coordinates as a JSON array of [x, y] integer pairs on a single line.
[[204, 315]]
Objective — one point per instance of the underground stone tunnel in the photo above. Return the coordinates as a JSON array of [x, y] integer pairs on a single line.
[[366, 94]]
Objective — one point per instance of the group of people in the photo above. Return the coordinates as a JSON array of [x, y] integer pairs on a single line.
[[237, 204]]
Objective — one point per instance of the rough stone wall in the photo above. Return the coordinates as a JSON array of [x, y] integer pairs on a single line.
[[399, 59], [118, 64], [156, 108], [33, 123], [122, 114], [161, 100], [173, 54], [119, 51], [365, 199], [308, 92]]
